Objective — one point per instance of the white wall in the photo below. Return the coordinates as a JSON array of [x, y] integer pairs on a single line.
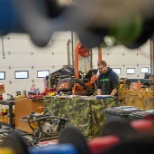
[[22, 54], [122, 57]]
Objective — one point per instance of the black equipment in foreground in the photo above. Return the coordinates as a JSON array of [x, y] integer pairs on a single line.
[[45, 126], [71, 141]]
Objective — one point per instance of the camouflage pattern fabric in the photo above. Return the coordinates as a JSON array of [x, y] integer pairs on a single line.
[[83, 112]]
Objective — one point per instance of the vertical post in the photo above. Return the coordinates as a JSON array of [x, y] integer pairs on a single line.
[[76, 61], [72, 42], [68, 52], [152, 55], [91, 59], [99, 54]]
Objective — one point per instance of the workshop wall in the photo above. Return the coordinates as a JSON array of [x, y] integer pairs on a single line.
[[17, 52], [122, 57]]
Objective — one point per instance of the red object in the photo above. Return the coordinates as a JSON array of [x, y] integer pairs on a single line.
[[79, 90], [48, 90], [35, 96], [100, 144], [99, 54], [79, 50], [143, 125], [2, 86], [83, 51], [41, 108], [1, 97]]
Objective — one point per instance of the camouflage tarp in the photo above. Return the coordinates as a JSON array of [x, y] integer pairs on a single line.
[[82, 112]]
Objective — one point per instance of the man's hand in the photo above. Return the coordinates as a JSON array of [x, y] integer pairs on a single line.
[[99, 92]]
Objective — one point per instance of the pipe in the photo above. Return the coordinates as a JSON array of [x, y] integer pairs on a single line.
[[68, 52], [77, 61], [152, 55], [3, 52], [72, 48], [91, 59], [99, 54]]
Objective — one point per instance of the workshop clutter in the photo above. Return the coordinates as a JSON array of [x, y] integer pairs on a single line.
[[35, 93], [4, 114], [64, 81], [2, 90], [83, 112], [49, 92], [135, 85], [5, 119], [44, 125], [143, 98]]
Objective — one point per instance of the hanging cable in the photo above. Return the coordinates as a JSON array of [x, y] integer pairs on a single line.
[[3, 53]]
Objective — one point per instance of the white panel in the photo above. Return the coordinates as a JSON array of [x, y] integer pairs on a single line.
[[122, 57], [22, 54]]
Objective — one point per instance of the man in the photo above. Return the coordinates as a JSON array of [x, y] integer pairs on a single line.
[[108, 81]]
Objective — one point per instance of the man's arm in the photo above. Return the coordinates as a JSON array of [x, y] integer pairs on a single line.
[[114, 91], [99, 92]]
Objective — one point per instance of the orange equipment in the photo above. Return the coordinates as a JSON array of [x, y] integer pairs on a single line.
[[91, 82], [77, 85], [83, 51]]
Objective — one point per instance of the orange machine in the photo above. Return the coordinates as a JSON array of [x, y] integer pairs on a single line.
[[91, 75], [83, 86], [77, 85]]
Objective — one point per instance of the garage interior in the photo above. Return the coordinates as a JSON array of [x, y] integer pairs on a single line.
[[48, 76]]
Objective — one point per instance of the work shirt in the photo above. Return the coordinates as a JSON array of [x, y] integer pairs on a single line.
[[107, 82]]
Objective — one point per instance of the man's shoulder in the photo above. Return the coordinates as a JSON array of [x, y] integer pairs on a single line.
[[114, 74]]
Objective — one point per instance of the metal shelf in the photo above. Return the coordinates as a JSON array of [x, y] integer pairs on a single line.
[[10, 103]]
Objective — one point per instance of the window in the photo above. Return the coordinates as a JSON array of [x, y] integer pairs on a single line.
[[42, 73], [130, 71], [117, 70], [2, 75], [144, 70], [21, 74]]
